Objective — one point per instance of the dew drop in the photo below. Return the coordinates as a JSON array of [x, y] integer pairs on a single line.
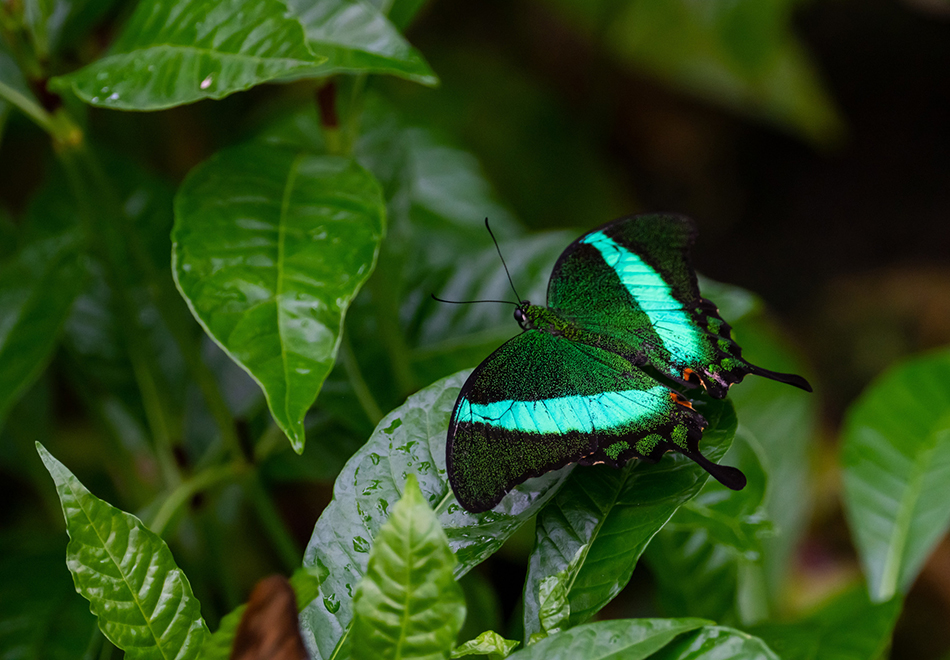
[[360, 544], [374, 458], [454, 508], [383, 506]]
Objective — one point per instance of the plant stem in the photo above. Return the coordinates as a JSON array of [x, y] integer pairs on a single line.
[[357, 382], [390, 332], [191, 487], [273, 524]]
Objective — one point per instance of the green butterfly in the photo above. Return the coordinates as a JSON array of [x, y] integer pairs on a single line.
[[572, 386]]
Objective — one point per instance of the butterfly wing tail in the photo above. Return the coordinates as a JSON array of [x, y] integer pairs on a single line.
[[789, 379], [729, 477]]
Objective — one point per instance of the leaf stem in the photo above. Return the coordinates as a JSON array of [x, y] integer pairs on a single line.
[[191, 487], [273, 524], [357, 382]]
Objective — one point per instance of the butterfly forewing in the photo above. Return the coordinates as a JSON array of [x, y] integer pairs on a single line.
[[542, 401], [631, 280]]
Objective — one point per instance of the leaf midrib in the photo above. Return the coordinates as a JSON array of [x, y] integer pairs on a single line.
[[279, 289]]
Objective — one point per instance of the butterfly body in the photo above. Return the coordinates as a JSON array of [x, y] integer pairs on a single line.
[[574, 385]]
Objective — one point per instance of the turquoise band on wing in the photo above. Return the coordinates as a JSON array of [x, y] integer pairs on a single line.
[[654, 296], [587, 414]]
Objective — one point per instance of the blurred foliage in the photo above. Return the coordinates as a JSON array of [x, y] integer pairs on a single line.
[[250, 254]]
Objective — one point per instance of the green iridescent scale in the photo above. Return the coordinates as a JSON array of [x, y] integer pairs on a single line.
[[570, 388]]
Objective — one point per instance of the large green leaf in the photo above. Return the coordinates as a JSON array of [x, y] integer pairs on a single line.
[[613, 514], [849, 626], [408, 604], [355, 37], [411, 439], [626, 639], [142, 599], [37, 289], [718, 643], [896, 461], [179, 51], [270, 247]]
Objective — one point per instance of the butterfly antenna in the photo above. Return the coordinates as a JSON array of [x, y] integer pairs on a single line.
[[466, 302], [495, 240]]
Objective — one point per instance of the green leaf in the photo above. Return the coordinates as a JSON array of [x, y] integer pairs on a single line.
[[554, 608], [849, 626], [180, 51], [142, 599], [270, 246], [355, 37], [402, 12], [718, 643], [711, 589], [488, 643], [896, 462], [411, 439], [626, 639], [37, 289], [615, 513], [408, 604]]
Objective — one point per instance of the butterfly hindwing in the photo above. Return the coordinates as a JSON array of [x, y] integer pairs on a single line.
[[542, 401], [631, 280]]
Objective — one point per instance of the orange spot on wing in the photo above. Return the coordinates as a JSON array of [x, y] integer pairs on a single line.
[[681, 400]]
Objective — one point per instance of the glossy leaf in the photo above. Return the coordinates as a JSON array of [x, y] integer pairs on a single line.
[[629, 639], [718, 643], [409, 440], [143, 600], [615, 513], [896, 461], [554, 608], [170, 53], [37, 289], [270, 247], [355, 37], [488, 643], [408, 604], [850, 626]]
